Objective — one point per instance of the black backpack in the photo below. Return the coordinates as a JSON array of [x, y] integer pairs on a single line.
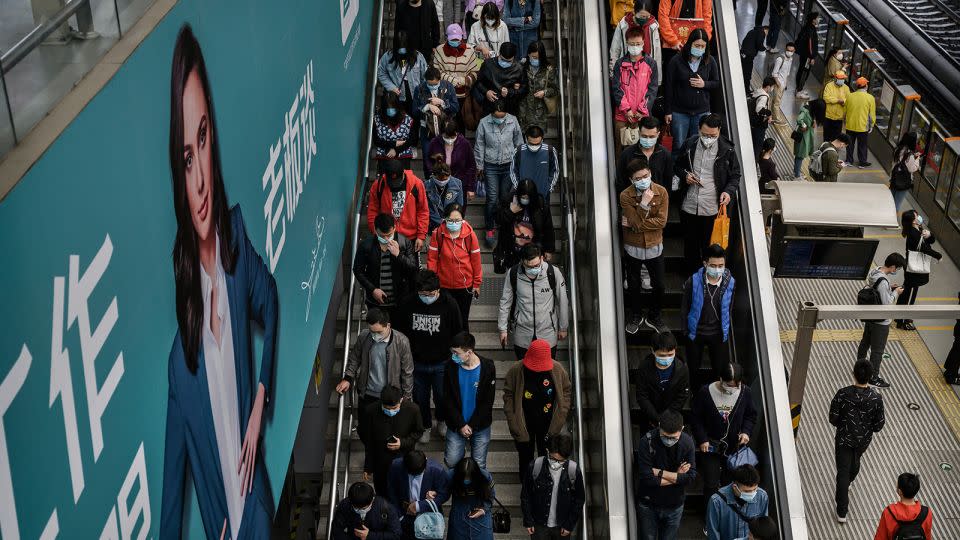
[[910, 530], [900, 177], [870, 296], [757, 119]]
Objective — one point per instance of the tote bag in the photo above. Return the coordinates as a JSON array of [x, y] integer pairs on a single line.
[[917, 261], [721, 229]]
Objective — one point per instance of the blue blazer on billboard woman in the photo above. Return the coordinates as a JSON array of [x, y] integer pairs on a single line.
[[215, 400]]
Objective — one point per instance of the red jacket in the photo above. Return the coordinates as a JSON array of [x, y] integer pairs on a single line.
[[415, 215], [888, 525], [456, 260]]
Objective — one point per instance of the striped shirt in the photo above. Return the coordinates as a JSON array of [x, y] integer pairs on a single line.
[[386, 277]]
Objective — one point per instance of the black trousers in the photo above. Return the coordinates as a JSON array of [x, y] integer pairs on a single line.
[[874, 341], [712, 467], [908, 296], [832, 128], [746, 64], [952, 364], [638, 301], [802, 72], [848, 467], [542, 532], [858, 147], [464, 299], [696, 236], [536, 446], [719, 356]]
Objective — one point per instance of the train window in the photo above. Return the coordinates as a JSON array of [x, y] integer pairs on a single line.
[[943, 184], [896, 118], [931, 165], [953, 211], [919, 124]]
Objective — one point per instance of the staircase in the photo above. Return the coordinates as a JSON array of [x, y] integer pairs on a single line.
[[502, 455]]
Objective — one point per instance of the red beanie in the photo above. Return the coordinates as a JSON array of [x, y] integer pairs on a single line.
[[538, 356]]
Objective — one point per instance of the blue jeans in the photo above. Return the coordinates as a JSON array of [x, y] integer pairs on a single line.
[[457, 447], [425, 378], [898, 197], [797, 163], [497, 179], [658, 523], [683, 126]]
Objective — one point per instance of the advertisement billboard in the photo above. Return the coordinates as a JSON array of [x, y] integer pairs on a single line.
[[168, 263]]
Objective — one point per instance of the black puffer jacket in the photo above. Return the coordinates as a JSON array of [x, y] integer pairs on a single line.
[[679, 96], [493, 77], [857, 414], [661, 166], [726, 168]]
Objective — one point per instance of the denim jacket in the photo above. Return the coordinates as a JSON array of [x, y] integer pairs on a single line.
[[453, 194], [496, 143]]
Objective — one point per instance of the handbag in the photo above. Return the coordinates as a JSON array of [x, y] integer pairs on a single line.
[[912, 163], [796, 136], [721, 228], [629, 135], [918, 262], [743, 456], [501, 519], [471, 112], [430, 525], [481, 191]]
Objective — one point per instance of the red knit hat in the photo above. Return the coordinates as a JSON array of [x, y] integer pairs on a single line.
[[538, 356]]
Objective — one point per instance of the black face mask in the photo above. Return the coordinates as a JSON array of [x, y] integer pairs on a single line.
[[396, 181]]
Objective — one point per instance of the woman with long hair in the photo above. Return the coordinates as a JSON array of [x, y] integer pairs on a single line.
[[690, 78], [919, 239], [906, 161], [488, 32], [526, 219], [215, 404], [472, 494], [543, 85], [766, 166]]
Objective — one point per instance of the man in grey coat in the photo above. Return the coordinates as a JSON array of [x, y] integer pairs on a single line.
[[380, 358], [875, 332], [534, 303]]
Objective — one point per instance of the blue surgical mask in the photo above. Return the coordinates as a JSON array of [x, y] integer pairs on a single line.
[[433, 87], [532, 272], [669, 441], [402, 50], [697, 52], [453, 43], [383, 240], [648, 142], [919, 219], [454, 226], [714, 272], [390, 412], [664, 360], [428, 299], [524, 201], [391, 112], [838, 82], [642, 184], [504, 63], [467, 481], [380, 338], [534, 62], [748, 496], [455, 358], [891, 274], [362, 512], [497, 120]]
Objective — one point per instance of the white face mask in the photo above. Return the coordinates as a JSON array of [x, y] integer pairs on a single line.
[[449, 141], [788, 54], [490, 22], [708, 141], [533, 147], [635, 50]]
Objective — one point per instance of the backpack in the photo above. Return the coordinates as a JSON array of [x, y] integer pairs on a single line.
[[571, 469], [870, 296], [757, 119], [900, 177], [911, 530], [816, 162], [551, 278]]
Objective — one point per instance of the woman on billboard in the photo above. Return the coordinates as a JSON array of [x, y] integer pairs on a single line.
[[215, 403]]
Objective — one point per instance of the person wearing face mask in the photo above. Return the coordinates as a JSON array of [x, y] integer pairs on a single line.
[[644, 207], [415, 480], [691, 76], [522, 18], [443, 189], [808, 48], [919, 239], [857, 412], [380, 358], [736, 505], [723, 420], [534, 303], [400, 69], [663, 468], [470, 384], [473, 10], [658, 157], [472, 494], [454, 255], [829, 156], [780, 71], [811, 114], [434, 101], [400, 193], [457, 152], [488, 33], [760, 113], [418, 18], [390, 428], [708, 173], [537, 161], [524, 221], [497, 139], [429, 318], [876, 331], [501, 79], [385, 264], [861, 118], [633, 86], [706, 308], [457, 62], [392, 133], [641, 16], [835, 95], [664, 380], [362, 514], [543, 86], [553, 494], [836, 61], [536, 401]]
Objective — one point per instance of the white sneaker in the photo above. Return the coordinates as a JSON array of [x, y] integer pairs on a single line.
[[841, 519]]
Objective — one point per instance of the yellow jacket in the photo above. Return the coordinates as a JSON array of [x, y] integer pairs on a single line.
[[619, 8], [861, 111], [833, 95]]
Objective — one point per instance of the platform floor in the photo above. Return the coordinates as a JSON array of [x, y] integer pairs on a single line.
[[922, 432]]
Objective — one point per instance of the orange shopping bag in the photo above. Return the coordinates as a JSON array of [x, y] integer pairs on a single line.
[[721, 228], [684, 27]]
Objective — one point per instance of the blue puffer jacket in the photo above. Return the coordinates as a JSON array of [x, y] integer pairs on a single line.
[[692, 305], [438, 199]]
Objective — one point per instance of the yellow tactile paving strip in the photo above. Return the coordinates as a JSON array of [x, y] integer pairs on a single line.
[[927, 367]]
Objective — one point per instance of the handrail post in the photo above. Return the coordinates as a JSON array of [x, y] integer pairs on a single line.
[[807, 317]]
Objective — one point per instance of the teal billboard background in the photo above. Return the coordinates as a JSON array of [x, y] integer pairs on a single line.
[[88, 305]]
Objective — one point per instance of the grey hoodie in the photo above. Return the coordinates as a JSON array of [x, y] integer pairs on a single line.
[[537, 313], [887, 296]]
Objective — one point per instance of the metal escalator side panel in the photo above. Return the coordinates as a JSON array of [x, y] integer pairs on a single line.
[[786, 472]]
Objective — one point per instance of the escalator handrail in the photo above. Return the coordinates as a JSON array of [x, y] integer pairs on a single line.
[[354, 240], [759, 283], [573, 341]]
